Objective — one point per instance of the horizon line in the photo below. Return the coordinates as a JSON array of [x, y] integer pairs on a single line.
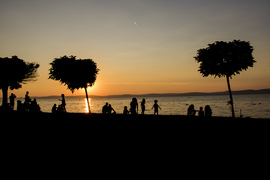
[[161, 94]]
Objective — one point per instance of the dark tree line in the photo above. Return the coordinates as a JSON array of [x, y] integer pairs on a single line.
[[75, 73]]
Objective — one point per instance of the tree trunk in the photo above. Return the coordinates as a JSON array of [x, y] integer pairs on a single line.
[[231, 98], [87, 100], [5, 96]]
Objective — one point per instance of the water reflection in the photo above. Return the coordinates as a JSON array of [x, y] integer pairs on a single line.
[[170, 105], [86, 110]]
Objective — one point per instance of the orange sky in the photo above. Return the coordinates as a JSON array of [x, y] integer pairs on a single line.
[[139, 46]]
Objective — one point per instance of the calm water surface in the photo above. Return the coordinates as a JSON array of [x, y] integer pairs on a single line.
[[256, 106]]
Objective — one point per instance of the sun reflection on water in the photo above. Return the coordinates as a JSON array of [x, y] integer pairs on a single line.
[[86, 105]]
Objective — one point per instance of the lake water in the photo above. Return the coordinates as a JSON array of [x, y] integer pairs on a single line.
[[255, 106]]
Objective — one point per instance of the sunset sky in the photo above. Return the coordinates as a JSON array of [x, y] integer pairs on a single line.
[[140, 46]]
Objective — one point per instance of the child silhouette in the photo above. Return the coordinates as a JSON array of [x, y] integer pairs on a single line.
[[156, 106]]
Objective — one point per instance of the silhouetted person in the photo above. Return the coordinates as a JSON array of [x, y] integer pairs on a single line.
[[60, 109], [201, 112], [105, 108], [27, 98], [110, 109], [11, 100], [63, 105], [134, 106], [208, 111], [34, 107], [156, 106], [54, 109], [20, 107], [191, 111], [125, 110], [27, 101], [143, 105]]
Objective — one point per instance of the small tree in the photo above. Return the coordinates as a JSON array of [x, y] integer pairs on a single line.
[[13, 73], [225, 59], [76, 74]]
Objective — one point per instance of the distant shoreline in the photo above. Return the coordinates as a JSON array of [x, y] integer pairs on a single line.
[[242, 92]]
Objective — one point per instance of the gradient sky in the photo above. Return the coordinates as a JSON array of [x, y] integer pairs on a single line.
[[140, 46]]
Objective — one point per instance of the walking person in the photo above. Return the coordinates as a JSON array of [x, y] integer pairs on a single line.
[[156, 106], [143, 105]]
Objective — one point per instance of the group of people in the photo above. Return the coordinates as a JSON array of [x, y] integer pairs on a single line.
[[61, 107], [27, 106], [32, 106], [207, 112], [107, 108]]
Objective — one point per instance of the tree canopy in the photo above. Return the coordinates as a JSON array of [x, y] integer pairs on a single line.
[[225, 58], [74, 73], [14, 72]]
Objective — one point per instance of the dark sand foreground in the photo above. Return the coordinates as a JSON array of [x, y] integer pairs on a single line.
[[133, 144], [127, 123]]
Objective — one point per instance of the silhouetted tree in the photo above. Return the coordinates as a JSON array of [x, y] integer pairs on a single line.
[[13, 73], [76, 74], [225, 59]]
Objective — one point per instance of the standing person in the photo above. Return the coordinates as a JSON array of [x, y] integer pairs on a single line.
[[208, 111], [27, 98], [191, 110], [63, 105], [156, 106], [134, 106], [11, 100], [143, 105], [27, 101], [201, 112]]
